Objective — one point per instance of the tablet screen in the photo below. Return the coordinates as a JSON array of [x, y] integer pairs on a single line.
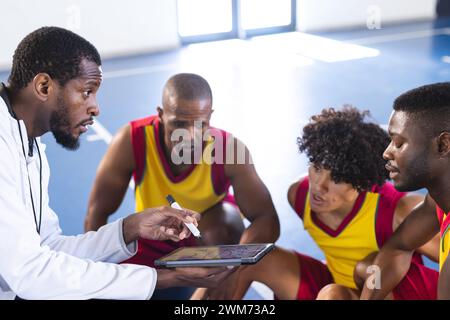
[[236, 253]]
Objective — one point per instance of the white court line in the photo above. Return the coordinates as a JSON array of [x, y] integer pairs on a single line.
[[401, 36], [264, 291], [101, 133]]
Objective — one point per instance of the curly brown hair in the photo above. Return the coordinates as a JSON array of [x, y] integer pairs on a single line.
[[342, 142]]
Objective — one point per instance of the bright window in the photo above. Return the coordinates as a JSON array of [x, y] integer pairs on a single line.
[[256, 14], [199, 17]]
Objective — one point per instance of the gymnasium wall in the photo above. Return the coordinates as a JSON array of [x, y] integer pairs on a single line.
[[313, 15], [140, 26], [115, 27]]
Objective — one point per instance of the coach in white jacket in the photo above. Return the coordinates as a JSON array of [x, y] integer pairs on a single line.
[[52, 87]]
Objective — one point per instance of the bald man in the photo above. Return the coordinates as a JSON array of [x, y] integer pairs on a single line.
[[177, 152]]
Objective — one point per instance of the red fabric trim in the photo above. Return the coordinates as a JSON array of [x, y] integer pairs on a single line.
[[420, 283], [387, 203], [314, 276], [162, 156], [300, 197], [441, 214], [220, 181], [348, 218], [444, 223], [139, 146], [229, 198]]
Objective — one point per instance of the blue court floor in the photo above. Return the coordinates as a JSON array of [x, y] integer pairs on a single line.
[[264, 89]]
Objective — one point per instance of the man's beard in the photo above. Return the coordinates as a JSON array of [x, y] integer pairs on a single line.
[[61, 128], [416, 176]]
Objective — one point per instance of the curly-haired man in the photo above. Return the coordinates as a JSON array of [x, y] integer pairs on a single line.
[[349, 211]]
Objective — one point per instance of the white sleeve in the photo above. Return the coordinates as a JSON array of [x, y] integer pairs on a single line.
[[106, 244], [34, 271]]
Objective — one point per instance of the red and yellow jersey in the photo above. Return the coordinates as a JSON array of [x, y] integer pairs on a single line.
[[199, 188], [444, 248], [363, 231]]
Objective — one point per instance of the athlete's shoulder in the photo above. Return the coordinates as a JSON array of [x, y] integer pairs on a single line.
[[297, 193], [221, 135], [142, 122]]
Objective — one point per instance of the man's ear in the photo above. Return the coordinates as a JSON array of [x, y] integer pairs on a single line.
[[42, 86], [443, 142]]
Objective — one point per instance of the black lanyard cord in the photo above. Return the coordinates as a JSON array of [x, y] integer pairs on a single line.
[[38, 225], [40, 188]]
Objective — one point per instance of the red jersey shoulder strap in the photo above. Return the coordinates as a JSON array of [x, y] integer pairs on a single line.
[[387, 203], [444, 220], [220, 181], [440, 214], [139, 145]]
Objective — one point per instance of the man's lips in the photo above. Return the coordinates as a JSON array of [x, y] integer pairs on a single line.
[[393, 171], [391, 168], [316, 199], [84, 125]]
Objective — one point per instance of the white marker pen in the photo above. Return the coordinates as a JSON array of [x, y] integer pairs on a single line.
[[190, 225]]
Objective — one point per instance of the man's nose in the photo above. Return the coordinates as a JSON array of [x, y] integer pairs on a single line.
[[195, 134], [387, 154], [320, 185], [94, 110]]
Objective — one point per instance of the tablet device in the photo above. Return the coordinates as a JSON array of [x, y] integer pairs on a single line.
[[214, 256]]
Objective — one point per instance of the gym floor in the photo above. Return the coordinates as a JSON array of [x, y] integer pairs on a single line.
[[264, 89]]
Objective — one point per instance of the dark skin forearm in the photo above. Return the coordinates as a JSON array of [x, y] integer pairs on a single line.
[[394, 265], [253, 233], [207, 277], [166, 279], [111, 182], [253, 199], [130, 228]]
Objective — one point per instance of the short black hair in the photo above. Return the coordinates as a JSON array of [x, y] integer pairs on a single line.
[[51, 50], [352, 149], [189, 86], [429, 105]]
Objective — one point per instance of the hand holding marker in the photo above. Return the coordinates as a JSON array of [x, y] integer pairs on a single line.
[[190, 225]]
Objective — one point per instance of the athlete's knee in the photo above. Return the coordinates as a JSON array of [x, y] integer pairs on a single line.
[[360, 272], [221, 224], [334, 292]]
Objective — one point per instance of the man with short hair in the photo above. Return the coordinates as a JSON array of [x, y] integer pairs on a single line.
[[418, 157], [197, 171], [52, 87]]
